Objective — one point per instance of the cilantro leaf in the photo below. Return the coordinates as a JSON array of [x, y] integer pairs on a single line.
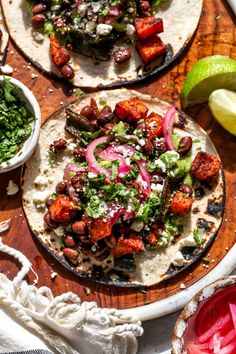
[[197, 235], [15, 122]]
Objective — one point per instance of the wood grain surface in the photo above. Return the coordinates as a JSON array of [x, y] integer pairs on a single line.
[[216, 34]]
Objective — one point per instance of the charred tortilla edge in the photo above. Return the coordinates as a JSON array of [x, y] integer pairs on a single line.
[[120, 282]]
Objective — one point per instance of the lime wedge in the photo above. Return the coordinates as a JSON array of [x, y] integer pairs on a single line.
[[222, 104], [208, 74]]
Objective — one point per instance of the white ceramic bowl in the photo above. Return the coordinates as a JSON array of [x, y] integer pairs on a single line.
[[26, 96], [191, 308]]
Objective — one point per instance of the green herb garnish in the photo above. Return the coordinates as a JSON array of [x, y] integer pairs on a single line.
[[15, 122], [197, 235], [205, 260]]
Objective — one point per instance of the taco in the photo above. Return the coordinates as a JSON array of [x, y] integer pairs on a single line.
[[3, 39], [102, 42], [116, 195]]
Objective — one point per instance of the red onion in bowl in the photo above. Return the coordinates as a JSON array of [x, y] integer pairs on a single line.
[[207, 325], [167, 127]]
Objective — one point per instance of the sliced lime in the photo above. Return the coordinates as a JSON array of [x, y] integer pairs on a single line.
[[222, 104], [208, 74]]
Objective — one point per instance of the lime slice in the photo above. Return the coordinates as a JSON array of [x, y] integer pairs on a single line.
[[222, 104], [208, 74]]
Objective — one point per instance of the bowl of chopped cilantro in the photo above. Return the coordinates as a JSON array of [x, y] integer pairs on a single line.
[[20, 120]]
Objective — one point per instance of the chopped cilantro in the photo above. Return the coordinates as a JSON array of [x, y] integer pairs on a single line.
[[116, 191], [78, 92], [143, 212], [97, 181], [120, 130], [15, 122], [151, 166], [139, 133], [96, 207], [132, 175], [197, 140], [139, 156], [156, 4], [149, 208], [90, 135], [197, 235], [48, 27], [116, 2], [114, 170], [205, 260], [171, 226], [105, 11]]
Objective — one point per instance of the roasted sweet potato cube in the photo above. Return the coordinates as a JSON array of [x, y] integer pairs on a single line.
[[59, 55], [62, 209], [150, 49], [153, 235], [180, 204], [131, 110], [206, 167], [130, 245], [97, 228], [154, 126], [148, 26], [152, 238]]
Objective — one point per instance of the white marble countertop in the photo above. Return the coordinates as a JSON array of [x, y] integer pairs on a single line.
[[157, 334]]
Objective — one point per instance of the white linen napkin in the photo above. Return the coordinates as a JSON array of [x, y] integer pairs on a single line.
[[36, 320], [14, 337]]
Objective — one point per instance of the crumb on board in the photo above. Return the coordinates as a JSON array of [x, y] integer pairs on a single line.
[[12, 188], [53, 275], [6, 69], [87, 290]]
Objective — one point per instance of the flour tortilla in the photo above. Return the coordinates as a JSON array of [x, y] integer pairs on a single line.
[[180, 18], [4, 39], [152, 266]]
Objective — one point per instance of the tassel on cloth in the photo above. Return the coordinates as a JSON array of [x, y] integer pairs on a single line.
[[64, 322]]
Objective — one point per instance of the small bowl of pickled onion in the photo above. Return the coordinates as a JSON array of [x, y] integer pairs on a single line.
[[207, 324]]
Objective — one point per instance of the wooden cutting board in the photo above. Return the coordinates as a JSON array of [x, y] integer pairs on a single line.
[[216, 35]]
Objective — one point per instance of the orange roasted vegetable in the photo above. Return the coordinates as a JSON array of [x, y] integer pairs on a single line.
[[180, 204], [205, 167], [130, 245], [97, 228], [154, 126], [59, 55], [150, 49], [62, 208], [148, 26], [153, 235], [131, 110]]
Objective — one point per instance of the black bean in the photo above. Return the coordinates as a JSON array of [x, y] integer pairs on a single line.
[[185, 145], [186, 189], [122, 55]]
